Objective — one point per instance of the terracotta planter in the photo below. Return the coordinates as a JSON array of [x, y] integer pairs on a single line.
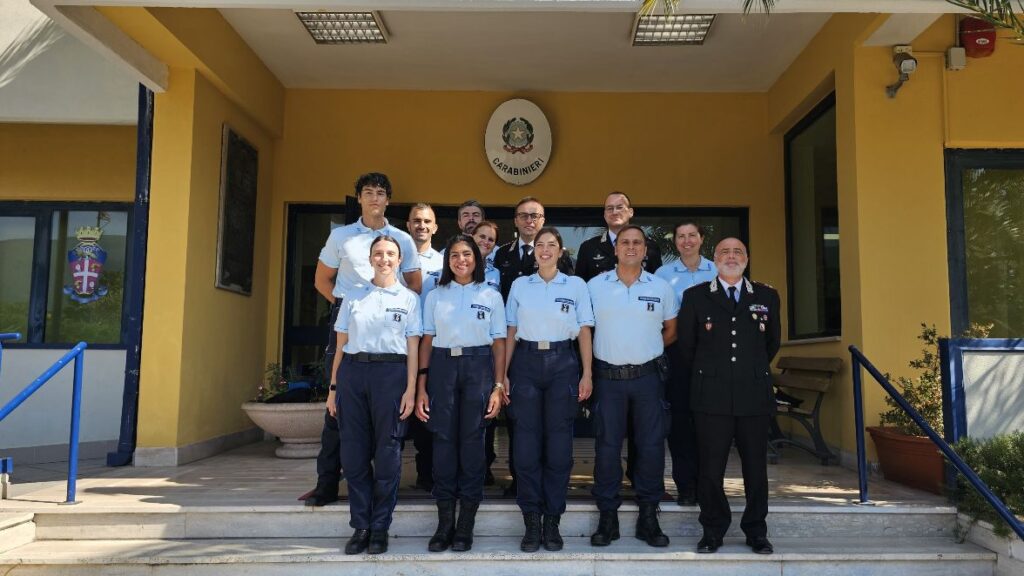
[[298, 426], [910, 460]]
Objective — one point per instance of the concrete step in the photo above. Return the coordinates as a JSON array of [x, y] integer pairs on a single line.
[[419, 520], [16, 529], [499, 556]]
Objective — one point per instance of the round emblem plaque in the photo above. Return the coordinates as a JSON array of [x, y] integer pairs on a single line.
[[518, 141]]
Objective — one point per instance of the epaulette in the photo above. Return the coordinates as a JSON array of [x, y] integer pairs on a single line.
[[765, 284]]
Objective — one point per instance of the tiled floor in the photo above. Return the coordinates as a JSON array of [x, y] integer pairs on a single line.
[[252, 476]]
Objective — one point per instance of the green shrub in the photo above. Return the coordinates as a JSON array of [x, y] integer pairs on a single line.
[[923, 392], [999, 462]]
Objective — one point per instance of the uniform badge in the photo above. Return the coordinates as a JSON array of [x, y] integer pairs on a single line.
[[480, 314], [650, 306], [754, 315], [761, 326], [565, 307], [707, 325], [396, 317]]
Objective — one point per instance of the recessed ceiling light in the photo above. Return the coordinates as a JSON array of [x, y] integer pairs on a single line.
[[344, 27], [668, 29]]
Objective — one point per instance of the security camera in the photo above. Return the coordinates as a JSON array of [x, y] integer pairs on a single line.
[[905, 63]]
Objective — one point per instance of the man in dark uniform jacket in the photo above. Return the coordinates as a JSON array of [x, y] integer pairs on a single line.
[[729, 332], [513, 260], [597, 255]]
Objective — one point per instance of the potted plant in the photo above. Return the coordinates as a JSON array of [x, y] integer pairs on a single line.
[[290, 406], [905, 454]]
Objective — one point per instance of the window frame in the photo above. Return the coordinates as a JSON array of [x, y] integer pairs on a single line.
[[819, 110], [957, 160], [43, 212]]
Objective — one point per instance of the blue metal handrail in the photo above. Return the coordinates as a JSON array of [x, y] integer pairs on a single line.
[[7, 336], [78, 355], [859, 360]]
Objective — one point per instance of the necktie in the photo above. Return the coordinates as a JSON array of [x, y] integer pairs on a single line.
[[732, 294], [527, 251]]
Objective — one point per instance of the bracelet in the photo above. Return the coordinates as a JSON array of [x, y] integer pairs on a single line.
[[499, 386], [333, 387], [423, 371]]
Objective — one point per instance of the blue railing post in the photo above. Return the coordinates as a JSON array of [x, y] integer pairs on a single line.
[[7, 336], [76, 416], [1016, 525], [858, 415], [77, 354]]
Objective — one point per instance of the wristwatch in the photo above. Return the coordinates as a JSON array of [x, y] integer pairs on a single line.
[[499, 386], [333, 387]]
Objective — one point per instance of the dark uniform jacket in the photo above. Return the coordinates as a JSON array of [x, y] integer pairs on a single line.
[[597, 255], [726, 348], [508, 260]]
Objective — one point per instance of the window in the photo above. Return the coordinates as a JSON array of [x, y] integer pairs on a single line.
[[812, 225], [985, 210], [63, 271]]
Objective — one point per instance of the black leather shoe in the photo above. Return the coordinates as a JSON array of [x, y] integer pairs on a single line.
[[607, 529], [552, 539], [424, 483], [687, 496], [463, 539], [442, 538], [489, 478], [647, 527], [760, 545], [358, 542], [532, 537], [378, 542], [708, 544], [322, 495]]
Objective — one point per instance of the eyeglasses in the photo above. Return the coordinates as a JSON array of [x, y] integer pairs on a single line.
[[528, 216]]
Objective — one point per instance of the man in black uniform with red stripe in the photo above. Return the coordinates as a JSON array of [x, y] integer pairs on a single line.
[[729, 332]]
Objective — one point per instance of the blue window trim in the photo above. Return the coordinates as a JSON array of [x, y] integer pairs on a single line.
[[951, 356], [43, 211], [958, 160]]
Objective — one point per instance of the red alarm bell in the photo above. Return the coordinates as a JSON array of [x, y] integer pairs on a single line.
[[978, 37]]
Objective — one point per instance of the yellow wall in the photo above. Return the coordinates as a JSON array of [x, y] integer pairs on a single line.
[[202, 348], [701, 150], [67, 162], [892, 183]]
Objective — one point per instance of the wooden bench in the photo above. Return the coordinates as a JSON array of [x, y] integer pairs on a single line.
[[808, 376]]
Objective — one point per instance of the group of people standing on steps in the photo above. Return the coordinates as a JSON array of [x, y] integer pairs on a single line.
[[441, 342]]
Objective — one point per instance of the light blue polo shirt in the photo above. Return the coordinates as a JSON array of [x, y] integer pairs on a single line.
[[379, 320], [492, 277], [548, 311], [431, 263], [348, 251], [628, 320], [680, 277], [459, 316]]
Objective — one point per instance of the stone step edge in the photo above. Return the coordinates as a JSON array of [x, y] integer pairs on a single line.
[[12, 519], [666, 508], [733, 551]]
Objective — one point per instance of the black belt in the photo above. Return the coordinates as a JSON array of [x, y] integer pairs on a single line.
[[370, 357], [544, 346], [484, 350], [608, 371]]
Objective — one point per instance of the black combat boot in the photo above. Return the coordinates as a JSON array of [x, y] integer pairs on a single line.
[[442, 538], [552, 539], [532, 538], [463, 539], [607, 529], [647, 527]]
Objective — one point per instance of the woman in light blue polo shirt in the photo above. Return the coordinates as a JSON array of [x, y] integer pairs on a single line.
[[373, 392], [691, 269], [462, 359], [486, 236], [545, 312]]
